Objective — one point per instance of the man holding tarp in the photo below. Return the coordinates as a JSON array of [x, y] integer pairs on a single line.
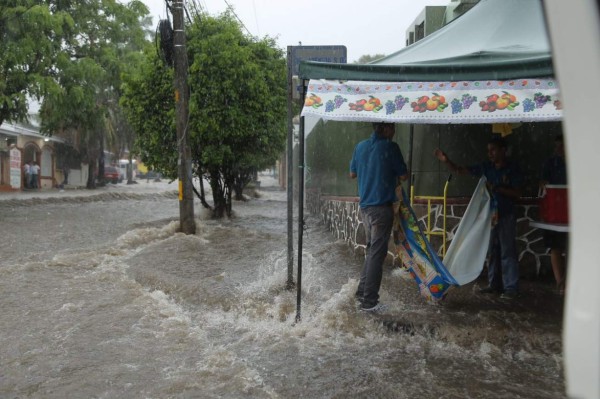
[[504, 180], [378, 163]]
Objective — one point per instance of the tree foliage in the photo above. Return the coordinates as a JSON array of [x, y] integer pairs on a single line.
[[239, 99], [104, 40], [237, 107], [367, 58], [31, 37], [150, 109]]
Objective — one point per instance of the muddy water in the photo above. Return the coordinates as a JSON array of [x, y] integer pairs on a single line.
[[105, 299]]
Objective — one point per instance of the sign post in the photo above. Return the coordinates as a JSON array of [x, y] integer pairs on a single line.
[[290, 173], [296, 91], [334, 54]]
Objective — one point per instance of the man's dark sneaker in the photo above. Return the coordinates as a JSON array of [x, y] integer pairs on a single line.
[[380, 307], [489, 290], [510, 295]]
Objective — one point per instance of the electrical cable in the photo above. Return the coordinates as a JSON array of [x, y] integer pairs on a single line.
[[238, 18]]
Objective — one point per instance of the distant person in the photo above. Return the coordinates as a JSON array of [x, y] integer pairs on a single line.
[[554, 171], [27, 174], [504, 182], [66, 176], [35, 174], [378, 163]]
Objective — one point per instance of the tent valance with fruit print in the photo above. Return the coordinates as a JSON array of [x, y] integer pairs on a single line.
[[484, 101]]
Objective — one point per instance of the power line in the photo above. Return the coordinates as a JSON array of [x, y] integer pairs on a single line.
[[238, 18]]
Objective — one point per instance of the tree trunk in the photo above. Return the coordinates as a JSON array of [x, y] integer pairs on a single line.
[[218, 196], [129, 169], [201, 194], [238, 189], [240, 181], [91, 182], [94, 154], [228, 193], [101, 166]]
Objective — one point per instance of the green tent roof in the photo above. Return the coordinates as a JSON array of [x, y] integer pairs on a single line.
[[496, 39]]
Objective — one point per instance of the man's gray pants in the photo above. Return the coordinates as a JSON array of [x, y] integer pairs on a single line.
[[377, 221]]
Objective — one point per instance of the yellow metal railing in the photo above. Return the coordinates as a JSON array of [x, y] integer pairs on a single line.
[[430, 198]]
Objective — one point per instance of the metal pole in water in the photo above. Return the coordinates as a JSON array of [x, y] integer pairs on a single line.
[[300, 204], [290, 173]]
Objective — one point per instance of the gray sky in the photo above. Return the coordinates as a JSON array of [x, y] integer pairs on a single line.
[[364, 27]]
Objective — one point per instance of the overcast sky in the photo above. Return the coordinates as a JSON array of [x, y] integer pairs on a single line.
[[364, 27]]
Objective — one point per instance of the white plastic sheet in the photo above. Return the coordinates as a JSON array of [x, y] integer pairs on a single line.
[[467, 252]]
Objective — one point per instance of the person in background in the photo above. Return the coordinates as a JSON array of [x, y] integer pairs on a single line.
[[66, 176], [504, 181], [554, 171], [27, 174], [35, 174], [378, 164]]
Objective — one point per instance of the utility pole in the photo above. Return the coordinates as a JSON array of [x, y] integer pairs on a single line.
[[184, 165]]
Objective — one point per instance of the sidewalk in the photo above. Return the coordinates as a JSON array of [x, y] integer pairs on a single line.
[[141, 187]]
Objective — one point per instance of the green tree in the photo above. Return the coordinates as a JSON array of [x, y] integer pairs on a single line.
[[150, 109], [104, 40], [237, 107], [238, 95], [31, 37]]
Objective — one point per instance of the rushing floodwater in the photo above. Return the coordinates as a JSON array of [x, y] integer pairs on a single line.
[[105, 299]]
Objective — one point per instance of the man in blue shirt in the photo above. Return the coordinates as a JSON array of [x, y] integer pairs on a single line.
[[504, 180], [378, 164]]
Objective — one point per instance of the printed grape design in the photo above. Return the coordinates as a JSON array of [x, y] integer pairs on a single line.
[[540, 100], [467, 100], [390, 107], [339, 100], [464, 103], [528, 105], [400, 101], [456, 105], [334, 104], [396, 105]]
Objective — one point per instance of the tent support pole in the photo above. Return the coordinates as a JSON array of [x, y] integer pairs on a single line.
[[290, 174], [410, 160], [411, 137], [300, 204]]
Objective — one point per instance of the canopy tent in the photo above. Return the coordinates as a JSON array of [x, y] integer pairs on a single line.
[[495, 40], [491, 65]]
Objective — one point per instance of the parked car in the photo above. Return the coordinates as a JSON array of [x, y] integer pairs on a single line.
[[112, 174]]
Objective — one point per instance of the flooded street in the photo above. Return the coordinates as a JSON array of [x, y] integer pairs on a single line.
[[103, 298]]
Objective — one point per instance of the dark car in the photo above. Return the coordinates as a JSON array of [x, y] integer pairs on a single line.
[[112, 174]]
